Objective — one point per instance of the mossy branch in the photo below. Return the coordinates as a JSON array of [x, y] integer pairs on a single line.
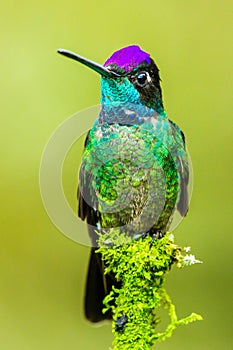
[[142, 268]]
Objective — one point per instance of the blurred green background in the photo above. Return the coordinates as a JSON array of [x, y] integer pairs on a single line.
[[43, 272]]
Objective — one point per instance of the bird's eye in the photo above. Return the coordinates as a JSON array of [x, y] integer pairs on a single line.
[[142, 79]]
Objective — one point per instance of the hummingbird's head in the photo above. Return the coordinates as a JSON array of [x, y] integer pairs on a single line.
[[128, 76], [138, 80]]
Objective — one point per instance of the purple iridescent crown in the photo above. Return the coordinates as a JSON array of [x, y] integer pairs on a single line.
[[128, 58]]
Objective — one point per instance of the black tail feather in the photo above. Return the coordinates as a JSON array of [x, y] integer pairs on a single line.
[[98, 286]]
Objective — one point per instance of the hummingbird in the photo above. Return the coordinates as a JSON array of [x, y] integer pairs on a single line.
[[134, 173]]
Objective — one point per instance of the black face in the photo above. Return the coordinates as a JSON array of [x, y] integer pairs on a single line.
[[147, 81]]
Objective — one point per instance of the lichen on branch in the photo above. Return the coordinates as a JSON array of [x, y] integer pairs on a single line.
[[142, 268]]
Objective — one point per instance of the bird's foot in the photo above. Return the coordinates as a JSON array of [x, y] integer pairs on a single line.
[[155, 235]]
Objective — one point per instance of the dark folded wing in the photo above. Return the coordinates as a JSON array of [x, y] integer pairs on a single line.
[[183, 203], [183, 168], [87, 200]]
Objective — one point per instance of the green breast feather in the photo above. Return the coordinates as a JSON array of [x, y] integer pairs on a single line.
[[133, 177]]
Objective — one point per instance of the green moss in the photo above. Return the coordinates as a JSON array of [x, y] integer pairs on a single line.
[[142, 268]]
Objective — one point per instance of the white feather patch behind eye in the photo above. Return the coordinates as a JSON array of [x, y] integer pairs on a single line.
[[148, 77]]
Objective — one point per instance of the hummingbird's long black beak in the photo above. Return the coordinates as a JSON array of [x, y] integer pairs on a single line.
[[93, 65]]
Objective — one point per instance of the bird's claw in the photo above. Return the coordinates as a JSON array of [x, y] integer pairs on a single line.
[[156, 235]]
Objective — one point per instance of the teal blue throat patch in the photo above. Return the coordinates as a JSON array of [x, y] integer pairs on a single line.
[[119, 90]]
